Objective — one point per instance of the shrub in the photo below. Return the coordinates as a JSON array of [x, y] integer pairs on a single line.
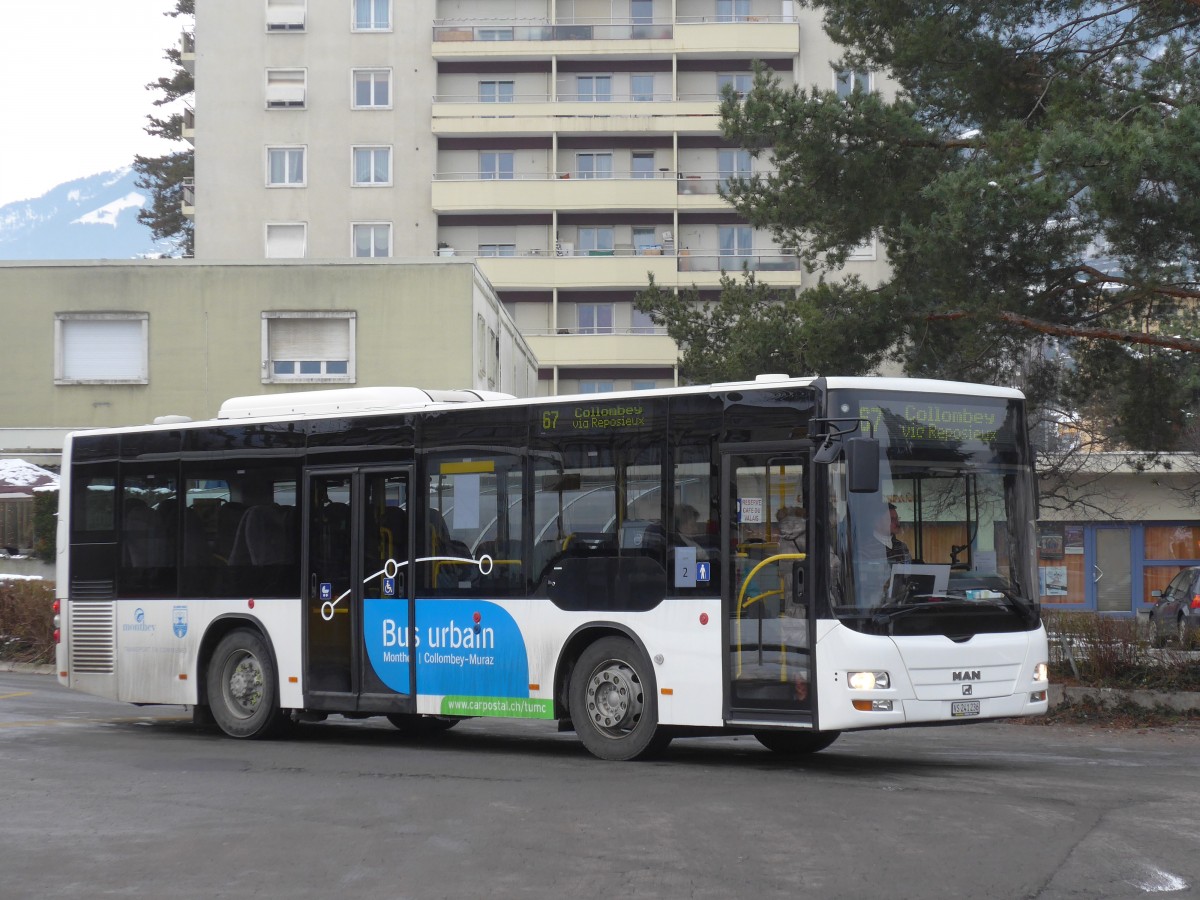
[[45, 524], [27, 621]]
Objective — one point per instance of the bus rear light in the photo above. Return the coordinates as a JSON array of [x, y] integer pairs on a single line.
[[57, 636], [57, 607], [873, 705]]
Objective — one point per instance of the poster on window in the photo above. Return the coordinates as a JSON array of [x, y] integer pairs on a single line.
[[1052, 581], [1050, 544], [1073, 540]]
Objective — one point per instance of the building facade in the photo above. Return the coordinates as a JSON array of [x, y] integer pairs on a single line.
[[571, 147], [122, 343]]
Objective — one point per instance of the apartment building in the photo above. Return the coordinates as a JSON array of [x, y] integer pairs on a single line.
[[571, 147]]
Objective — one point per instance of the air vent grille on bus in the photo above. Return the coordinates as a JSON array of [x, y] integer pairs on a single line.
[[92, 636], [103, 589]]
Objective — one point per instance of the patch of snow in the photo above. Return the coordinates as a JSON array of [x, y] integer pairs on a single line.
[[117, 175], [108, 214], [74, 195], [19, 473], [20, 577]]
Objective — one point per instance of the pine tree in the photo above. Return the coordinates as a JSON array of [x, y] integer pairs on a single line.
[[164, 176], [1034, 183]]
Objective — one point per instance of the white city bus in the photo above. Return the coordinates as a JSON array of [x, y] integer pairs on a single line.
[[788, 558]]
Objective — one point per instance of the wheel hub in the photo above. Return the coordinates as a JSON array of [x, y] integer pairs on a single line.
[[614, 697], [244, 685]]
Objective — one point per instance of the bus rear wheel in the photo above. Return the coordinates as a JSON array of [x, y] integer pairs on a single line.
[[796, 743], [243, 690], [613, 702]]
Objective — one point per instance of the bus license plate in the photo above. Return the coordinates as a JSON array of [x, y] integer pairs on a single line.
[[964, 708]]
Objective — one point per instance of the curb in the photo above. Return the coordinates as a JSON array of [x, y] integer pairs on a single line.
[[1180, 701], [27, 668]]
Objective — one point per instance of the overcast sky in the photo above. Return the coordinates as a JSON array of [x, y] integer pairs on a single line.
[[73, 100]]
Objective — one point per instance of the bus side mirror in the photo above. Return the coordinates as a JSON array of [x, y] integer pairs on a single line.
[[862, 464]]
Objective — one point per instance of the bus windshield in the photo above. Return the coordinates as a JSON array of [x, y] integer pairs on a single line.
[[939, 548]]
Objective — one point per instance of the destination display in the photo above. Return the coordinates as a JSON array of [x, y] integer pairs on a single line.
[[591, 417], [933, 421]]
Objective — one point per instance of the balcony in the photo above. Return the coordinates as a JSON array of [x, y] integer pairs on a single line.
[[748, 36], [187, 197], [188, 132], [187, 51], [467, 192]]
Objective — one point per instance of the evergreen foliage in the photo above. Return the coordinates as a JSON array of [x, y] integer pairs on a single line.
[[1035, 184], [163, 176]]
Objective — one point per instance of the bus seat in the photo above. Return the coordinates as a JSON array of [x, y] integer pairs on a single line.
[[262, 538]]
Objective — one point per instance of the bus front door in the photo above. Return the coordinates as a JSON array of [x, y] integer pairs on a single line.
[[358, 620], [764, 587]]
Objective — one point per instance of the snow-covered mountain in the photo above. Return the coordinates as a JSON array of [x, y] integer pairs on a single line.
[[89, 218]]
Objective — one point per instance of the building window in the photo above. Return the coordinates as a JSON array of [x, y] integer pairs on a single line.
[[372, 88], [496, 91], [849, 80], [594, 318], [497, 250], [496, 164], [101, 348], [286, 240], [493, 34], [596, 387], [733, 10], [593, 88], [640, 385], [864, 251], [644, 238], [641, 11], [308, 347], [286, 88], [741, 82], [732, 164], [373, 239], [286, 15], [285, 167], [642, 164], [641, 323], [372, 15], [597, 240], [736, 240], [641, 88], [372, 166], [594, 165]]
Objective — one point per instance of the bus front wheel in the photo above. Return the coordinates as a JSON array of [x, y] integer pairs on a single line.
[[243, 691], [796, 743], [613, 701]]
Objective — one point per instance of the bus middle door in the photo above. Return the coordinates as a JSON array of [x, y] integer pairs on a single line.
[[358, 621]]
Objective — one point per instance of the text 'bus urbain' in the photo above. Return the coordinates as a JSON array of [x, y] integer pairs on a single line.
[[788, 558]]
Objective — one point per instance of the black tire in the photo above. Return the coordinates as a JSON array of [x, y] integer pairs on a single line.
[[614, 702], [1157, 640], [421, 726], [796, 743], [243, 689]]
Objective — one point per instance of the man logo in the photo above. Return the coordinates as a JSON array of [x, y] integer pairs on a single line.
[[970, 675], [968, 690]]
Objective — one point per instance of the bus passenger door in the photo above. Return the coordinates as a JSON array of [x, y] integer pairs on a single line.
[[765, 586], [356, 535]]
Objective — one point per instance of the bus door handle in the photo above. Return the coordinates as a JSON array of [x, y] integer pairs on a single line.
[[312, 587]]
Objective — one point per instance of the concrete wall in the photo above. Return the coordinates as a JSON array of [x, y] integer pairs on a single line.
[[415, 325]]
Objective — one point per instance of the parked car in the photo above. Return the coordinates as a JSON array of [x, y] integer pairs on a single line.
[[1177, 612]]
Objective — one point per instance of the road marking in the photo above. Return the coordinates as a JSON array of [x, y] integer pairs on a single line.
[[18, 694]]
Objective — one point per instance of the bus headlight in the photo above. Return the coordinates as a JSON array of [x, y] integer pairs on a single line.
[[869, 681], [1041, 672]]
